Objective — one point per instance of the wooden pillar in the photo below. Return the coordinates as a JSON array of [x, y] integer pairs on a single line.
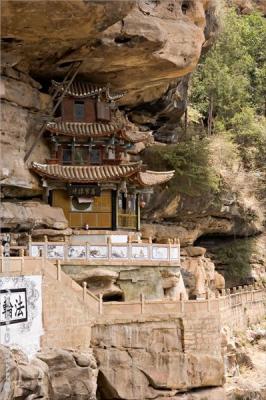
[[114, 217], [138, 212]]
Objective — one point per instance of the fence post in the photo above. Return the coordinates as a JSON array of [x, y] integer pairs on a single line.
[[109, 247], [84, 284], [100, 304], [208, 301], [45, 245], [250, 288], [169, 249], [150, 248], [2, 258], [58, 265], [21, 254]]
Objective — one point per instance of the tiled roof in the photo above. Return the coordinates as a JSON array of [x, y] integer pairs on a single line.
[[85, 89], [151, 178], [82, 129], [97, 129], [86, 174]]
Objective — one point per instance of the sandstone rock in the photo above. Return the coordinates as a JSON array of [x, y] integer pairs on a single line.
[[71, 373], [193, 251], [247, 6], [32, 214], [161, 233], [173, 285], [37, 233], [22, 108], [205, 394], [102, 281], [153, 43], [24, 95], [57, 374], [148, 358], [200, 276], [8, 374]]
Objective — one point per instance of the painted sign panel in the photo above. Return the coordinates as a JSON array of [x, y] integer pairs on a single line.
[[174, 253], [119, 252], [37, 250], [77, 252], [159, 253], [21, 312], [98, 252], [55, 251], [140, 252]]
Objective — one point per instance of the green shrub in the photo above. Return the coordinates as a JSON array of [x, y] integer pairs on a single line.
[[190, 160]]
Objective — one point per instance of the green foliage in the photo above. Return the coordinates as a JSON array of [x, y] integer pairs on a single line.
[[232, 77], [249, 132], [233, 73], [190, 160], [236, 258]]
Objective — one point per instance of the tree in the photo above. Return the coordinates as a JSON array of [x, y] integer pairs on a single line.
[[232, 75]]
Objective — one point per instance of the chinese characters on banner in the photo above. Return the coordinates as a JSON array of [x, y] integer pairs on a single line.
[[21, 312], [13, 306]]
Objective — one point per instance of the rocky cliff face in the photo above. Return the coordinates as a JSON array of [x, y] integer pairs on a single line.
[[146, 48], [56, 374]]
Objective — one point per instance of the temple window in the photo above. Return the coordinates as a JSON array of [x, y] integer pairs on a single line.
[[95, 156], [79, 110], [67, 156], [81, 155]]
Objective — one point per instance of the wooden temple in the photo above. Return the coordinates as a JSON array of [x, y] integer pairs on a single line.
[[89, 174]]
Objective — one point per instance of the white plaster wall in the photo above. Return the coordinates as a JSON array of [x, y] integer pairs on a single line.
[[23, 334]]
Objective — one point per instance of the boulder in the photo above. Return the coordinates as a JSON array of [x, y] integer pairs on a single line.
[[195, 251], [56, 374], [31, 214]]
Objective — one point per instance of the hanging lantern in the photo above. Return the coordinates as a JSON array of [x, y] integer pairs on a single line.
[[142, 203]]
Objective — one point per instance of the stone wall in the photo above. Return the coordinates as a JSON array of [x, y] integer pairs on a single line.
[[148, 357], [67, 309], [241, 309]]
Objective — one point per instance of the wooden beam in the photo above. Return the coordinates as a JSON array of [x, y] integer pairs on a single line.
[[59, 101]]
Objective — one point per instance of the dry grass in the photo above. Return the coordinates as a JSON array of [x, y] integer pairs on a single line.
[[225, 159]]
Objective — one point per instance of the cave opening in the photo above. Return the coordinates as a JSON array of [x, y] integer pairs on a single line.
[[113, 297], [232, 255], [10, 40], [185, 6], [122, 39]]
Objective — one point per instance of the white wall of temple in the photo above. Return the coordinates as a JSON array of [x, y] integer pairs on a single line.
[[21, 312]]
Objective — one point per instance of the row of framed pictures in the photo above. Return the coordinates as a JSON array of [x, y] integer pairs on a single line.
[[81, 252]]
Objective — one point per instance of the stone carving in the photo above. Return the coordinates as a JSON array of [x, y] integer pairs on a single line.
[[199, 273]]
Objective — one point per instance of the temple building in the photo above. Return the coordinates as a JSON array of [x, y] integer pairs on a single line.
[[90, 175]]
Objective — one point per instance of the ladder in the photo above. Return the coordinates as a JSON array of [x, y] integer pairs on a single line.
[[69, 78]]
